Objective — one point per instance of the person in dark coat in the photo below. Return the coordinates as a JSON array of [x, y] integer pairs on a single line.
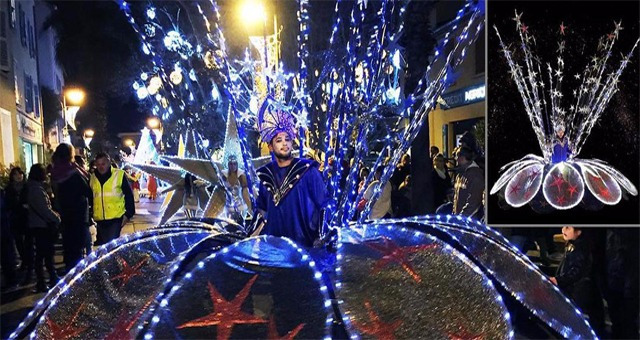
[[15, 194], [72, 194], [43, 222], [575, 277], [441, 180], [621, 281], [7, 247]]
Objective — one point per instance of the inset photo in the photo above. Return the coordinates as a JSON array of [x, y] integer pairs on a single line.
[[562, 113]]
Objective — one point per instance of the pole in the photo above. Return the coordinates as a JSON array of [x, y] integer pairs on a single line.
[[266, 53], [65, 131]]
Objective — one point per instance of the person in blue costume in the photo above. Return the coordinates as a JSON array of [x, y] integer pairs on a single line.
[[561, 149], [291, 193]]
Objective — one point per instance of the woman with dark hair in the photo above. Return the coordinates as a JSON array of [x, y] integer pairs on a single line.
[[43, 221], [72, 194], [15, 194]]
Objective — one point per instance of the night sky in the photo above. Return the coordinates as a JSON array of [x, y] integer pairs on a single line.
[[614, 139]]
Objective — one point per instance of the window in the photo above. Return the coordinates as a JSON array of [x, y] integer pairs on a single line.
[[4, 50], [12, 13], [36, 99], [23, 26], [30, 41], [3, 24], [28, 94]]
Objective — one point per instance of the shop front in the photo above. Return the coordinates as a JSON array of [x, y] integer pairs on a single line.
[[458, 111], [30, 132]]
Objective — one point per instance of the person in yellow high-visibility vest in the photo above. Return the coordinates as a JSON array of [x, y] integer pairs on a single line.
[[113, 204]]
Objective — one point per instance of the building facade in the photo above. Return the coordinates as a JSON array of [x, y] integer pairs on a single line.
[[50, 74], [21, 56], [462, 106], [10, 151]]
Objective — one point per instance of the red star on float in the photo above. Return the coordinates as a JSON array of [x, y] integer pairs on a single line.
[[611, 36], [515, 188], [561, 200], [273, 331], [463, 334], [604, 192], [128, 272], [226, 313], [66, 331], [124, 324], [375, 327], [524, 28], [572, 190], [391, 253], [557, 182]]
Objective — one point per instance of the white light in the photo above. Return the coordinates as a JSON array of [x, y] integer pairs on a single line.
[[176, 77], [142, 92], [396, 59], [151, 13]]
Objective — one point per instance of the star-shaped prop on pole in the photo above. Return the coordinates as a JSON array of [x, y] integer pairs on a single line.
[[174, 177], [392, 253], [226, 314]]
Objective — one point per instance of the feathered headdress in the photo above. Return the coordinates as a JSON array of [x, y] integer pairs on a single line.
[[273, 118]]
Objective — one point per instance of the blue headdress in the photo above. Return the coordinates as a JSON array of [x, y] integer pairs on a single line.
[[275, 117]]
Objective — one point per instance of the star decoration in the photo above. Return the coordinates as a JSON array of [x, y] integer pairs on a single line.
[[129, 272], [65, 331], [557, 182], [392, 253], [561, 200], [376, 327], [604, 192], [524, 28], [517, 17], [273, 331], [563, 28], [618, 27], [611, 36], [124, 324], [226, 313], [515, 188], [572, 190]]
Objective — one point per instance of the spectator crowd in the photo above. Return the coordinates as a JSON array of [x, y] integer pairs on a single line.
[[61, 200]]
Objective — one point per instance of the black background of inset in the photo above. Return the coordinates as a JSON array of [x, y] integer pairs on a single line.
[[614, 139]]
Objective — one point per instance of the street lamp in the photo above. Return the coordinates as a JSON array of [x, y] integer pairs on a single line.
[[252, 12], [155, 125], [88, 137], [72, 98]]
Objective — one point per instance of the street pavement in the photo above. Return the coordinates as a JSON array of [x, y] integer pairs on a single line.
[[16, 303]]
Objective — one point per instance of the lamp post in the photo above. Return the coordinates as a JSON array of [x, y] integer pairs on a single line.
[[72, 98], [254, 11], [155, 125], [88, 137]]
